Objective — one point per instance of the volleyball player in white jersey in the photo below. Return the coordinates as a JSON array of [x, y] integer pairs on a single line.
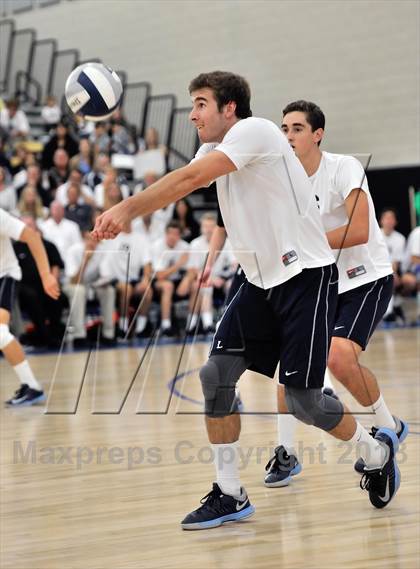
[[365, 279], [284, 310], [30, 391]]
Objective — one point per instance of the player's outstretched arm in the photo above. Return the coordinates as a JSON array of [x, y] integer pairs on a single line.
[[168, 189], [34, 242], [356, 231]]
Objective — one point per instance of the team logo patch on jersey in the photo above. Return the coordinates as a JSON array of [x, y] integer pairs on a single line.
[[289, 258], [356, 272]]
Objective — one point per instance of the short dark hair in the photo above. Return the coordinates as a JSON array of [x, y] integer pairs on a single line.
[[226, 87], [391, 209], [174, 224], [314, 115]]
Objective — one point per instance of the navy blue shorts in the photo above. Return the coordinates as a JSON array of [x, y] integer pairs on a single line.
[[7, 293], [291, 323], [360, 310], [238, 278]]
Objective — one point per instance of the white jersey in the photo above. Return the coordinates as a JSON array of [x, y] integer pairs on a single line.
[[198, 257], [93, 269], [63, 234], [164, 257], [10, 228], [412, 249], [395, 243], [268, 208], [335, 178], [126, 255]]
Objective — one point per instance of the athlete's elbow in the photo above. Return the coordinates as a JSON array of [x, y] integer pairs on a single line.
[[361, 236]]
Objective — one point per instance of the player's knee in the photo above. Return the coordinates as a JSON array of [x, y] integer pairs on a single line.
[[313, 407], [5, 336], [218, 389], [341, 360]]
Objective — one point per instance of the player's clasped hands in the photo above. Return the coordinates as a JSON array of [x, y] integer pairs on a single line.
[[109, 224]]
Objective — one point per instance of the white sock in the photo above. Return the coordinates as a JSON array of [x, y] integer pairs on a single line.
[[141, 324], [328, 379], [207, 319], [373, 453], [123, 323], [397, 300], [192, 319], [25, 374], [226, 465], [286, 429], [166, 324], [383, 417]]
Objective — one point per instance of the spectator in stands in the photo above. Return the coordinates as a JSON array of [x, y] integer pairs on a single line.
[[395, 242], [83, 271], [83, 161], [60, 139], [34, 180], [30, 205], [75, 177], [4, 160], [411, 266], [102, 190], [7, 192], [153, 227], [113, 195], [43, 311], [97, 175], [60, 231], [19, 162], [50, 113], [59, 173], [128, 262], [149, 226], [76, 210], [169, 259], [100, 139], [184, 213], [222, 272], [121, 141], [14, 122], [151, 141]]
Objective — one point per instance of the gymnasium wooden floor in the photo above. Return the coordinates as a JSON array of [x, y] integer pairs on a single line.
[[96, 489]]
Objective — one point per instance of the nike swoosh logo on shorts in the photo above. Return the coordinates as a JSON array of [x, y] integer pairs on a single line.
[[287, 373], [386, 497], [338, 327]]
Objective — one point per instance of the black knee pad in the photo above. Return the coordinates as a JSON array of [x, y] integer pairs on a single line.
[[219, 376], [313, 407]]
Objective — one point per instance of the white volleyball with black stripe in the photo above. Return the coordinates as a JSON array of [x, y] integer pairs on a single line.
[[94, 91]]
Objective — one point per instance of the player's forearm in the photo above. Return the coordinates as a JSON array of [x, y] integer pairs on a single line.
[[168, 189], [217, 242], [347, 236], [36, 247]]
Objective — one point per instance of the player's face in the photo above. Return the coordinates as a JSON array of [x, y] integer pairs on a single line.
[[299, 133], [208, 120]]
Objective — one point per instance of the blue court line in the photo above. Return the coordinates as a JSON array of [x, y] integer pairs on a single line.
[[172, 388]]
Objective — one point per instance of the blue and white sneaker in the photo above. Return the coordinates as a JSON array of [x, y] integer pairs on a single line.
[[26, 396], [383, 483], [218, 508], [281, 468], [401, 430]]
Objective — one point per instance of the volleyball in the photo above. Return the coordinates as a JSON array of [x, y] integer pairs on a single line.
[[94, 91]]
